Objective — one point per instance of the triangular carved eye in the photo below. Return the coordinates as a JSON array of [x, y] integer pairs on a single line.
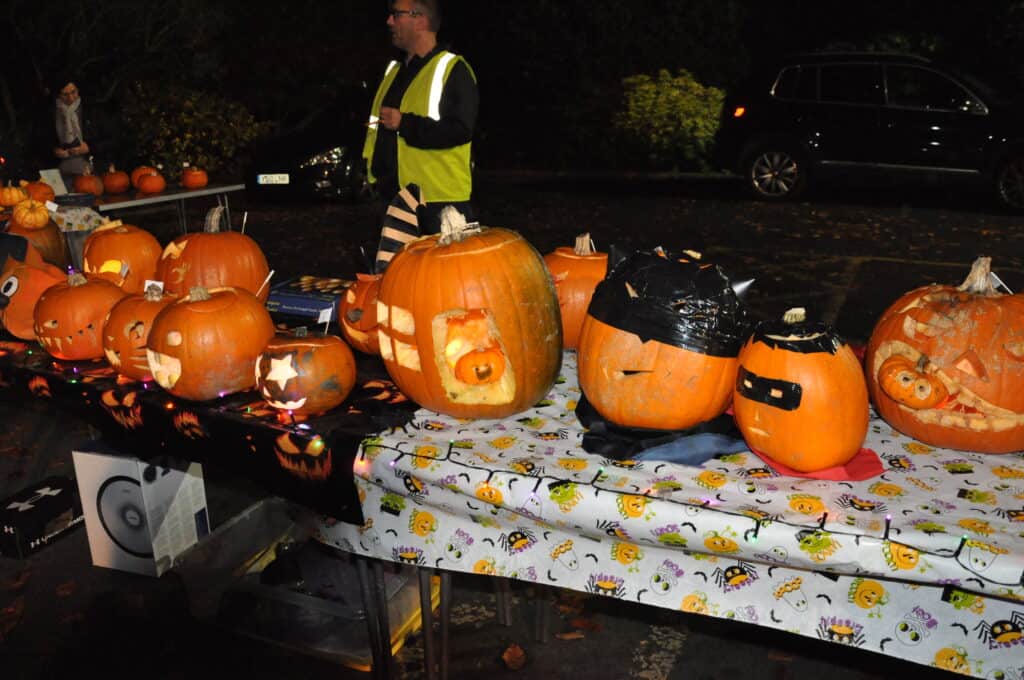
[[286, 445], [970, 363]]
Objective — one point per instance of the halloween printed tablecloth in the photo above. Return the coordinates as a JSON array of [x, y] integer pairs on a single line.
[[923, 562]]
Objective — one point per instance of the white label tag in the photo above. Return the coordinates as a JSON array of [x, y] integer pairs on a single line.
[[325, 315], [150, 282], [51, 206]]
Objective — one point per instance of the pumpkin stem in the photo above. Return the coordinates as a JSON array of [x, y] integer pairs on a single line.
[[108, 224], [213, 218], [584, 245], [978, 281], [198, 294], [153, 293], [454, 227], [76, 279], [795, 315]]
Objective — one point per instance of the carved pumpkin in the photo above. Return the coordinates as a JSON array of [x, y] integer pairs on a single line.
[[305, 373], [945, 365], [38, 190], [87, 183], [24, 279], [69, 317], [123, 254], [141, 170], [800, 394], [194, 178], [47, 241], [205, 345], [471, 302], [214, 259], [116, 181], [151, 183], [576, 272], [305, 458], [357, 313], [659, 344], [126, 330], [11, 195], [30, 214]]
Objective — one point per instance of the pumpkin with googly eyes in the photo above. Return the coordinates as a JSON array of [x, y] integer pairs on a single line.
[[945, 365], [205, 344], [23, 280], [307, 374], [68, 318]]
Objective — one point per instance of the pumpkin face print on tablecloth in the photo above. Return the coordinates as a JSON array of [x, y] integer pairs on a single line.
[[945, 365]]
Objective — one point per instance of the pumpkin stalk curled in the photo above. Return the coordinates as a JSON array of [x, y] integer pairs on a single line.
[[979, 281]]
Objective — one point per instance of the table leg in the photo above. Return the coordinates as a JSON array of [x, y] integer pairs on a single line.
[[380, 664], [446, 616], [542, 614], [227, 210], [381, 593], [427, 613], [182, 218]]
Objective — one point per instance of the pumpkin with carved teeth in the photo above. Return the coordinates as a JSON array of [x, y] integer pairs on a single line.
[[126, 330], [305, 373], [68, 317], [945, 365]]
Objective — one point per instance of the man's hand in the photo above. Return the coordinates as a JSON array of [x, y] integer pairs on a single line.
[[390, 118]]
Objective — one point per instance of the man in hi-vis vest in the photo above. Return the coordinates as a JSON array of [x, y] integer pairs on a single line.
[[421, 127]]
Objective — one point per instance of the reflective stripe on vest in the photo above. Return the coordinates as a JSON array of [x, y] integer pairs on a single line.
[[437, 86]]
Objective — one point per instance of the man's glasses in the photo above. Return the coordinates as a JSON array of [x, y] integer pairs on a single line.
[[396, 13]]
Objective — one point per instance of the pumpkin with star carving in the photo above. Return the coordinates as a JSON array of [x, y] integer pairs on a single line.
[[303, 373]]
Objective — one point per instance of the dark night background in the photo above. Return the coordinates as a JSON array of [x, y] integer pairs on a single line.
[[550, 72]]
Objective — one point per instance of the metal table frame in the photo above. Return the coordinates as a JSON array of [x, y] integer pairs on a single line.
[[111, 204]]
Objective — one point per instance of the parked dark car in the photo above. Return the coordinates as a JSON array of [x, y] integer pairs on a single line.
[[793, 123], [313, 155]]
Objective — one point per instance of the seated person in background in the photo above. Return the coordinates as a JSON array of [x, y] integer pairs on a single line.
[[72, 147]]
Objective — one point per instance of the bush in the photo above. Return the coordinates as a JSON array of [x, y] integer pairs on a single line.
[[671, 119], [171, 125]]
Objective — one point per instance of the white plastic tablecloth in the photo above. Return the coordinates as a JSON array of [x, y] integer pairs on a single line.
[[924, 562]]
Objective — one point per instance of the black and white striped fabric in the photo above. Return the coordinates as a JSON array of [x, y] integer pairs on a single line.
[[400, 225]]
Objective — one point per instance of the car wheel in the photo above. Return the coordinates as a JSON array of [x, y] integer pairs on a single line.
[[1010, 184], [775, 173]]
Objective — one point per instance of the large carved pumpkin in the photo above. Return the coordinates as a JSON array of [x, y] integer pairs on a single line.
[[659, 344], [357, 313], [69, 317], [214, 259], [123, 254], [945, 365], [468, 321], [205, 344], [800, 394], [23, 280], [126, 330], [304, 373], [576, 272]]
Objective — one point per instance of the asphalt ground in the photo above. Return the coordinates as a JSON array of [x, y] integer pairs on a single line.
[[844, 254]]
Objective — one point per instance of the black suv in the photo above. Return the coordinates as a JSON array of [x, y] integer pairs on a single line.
[[813, 113]]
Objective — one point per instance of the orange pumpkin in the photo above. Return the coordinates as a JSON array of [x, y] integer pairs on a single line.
[[152, 183], [47, 241], [11, 195], [205, 344], [357, 313], [470, 301], [304, 373], [126, 330], [966, 341], [576, 272], [88, 183], [30, 214], [659, 344], [38, 190], [69, 317], [213, 259], [123, 254], [193, 178], [800, 394], [116, 181], [141, 170], [24, 278]]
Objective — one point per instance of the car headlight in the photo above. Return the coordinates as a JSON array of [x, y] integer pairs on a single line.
[[330, 157]]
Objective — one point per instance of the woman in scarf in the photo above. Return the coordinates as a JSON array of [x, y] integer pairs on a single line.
[[72, 149]]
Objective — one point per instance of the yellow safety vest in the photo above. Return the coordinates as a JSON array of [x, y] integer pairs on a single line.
[[443, 175]]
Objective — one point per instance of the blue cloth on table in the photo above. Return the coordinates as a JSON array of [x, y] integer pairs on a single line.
[[693, 449]]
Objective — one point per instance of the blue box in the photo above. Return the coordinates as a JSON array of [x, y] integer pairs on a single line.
[[307, 296]]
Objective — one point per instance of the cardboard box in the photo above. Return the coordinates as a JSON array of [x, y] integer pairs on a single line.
[[307, 296], [38, 514], [140, 515]]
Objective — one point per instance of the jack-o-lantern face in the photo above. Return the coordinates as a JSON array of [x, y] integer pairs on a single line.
[[357, 313], [126, 331], [659, 344], [303, 458], [205, 345], [469, 323], [800, 394], [22, 283], [945, 365], [123, 254], [867, 593], [69, 317], [305, 374], [124, 407]]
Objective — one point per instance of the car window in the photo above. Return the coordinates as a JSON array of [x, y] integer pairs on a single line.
[[797, 82], [851, 83], [925, 89]]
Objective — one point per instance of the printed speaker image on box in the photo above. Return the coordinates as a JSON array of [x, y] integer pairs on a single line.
[[140, 515]]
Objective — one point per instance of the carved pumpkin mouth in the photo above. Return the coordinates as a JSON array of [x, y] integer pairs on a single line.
[[165, 368], [960, 407]]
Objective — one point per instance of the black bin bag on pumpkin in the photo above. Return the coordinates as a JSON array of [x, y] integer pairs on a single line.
[[681, 302]]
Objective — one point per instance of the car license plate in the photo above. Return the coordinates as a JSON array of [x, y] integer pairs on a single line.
[[275, 178]]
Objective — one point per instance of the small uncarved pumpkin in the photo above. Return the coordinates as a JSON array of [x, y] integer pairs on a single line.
[[11, 195], [88, 184], [576, 272], [30, 214], [38, 190], [116, 181], [194, 178], [151, 183], [357, 313], [123, 254], [205, 344], [214, 259], [22, 282], [945, 365], [304, 373], [69, 317], [126, 330], [141, 170], [800, 394]]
